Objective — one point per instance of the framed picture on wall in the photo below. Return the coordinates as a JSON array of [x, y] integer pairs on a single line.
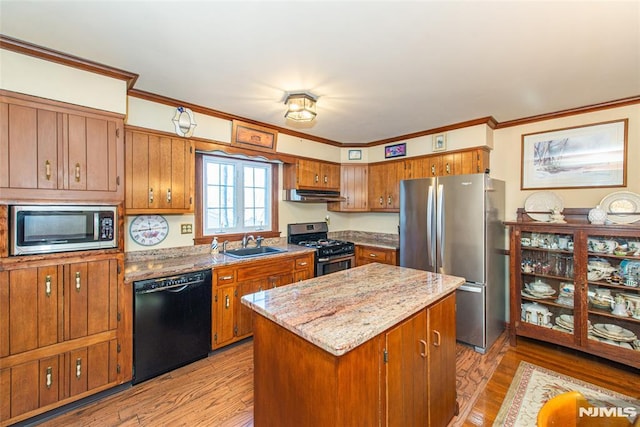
[[585, 156], [397, 150], [355, 154], [440, 142], [254, 137]]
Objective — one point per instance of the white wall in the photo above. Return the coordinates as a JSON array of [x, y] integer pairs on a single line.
[[26, 74], [506, 158]]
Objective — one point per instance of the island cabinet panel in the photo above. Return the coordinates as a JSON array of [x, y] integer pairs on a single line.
[[57, 151], [160, 173], [420, 377], [61, 333], [404, 376], [310, 387], [232, 321]]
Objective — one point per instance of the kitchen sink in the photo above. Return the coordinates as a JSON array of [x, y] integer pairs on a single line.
[[251, 252]]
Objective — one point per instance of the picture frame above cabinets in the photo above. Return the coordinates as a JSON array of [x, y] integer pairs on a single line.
[[355, 154], [253, 137]]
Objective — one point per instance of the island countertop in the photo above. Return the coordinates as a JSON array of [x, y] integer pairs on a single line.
[[339, 311]]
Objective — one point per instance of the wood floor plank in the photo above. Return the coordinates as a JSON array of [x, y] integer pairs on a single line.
[[218, 390]]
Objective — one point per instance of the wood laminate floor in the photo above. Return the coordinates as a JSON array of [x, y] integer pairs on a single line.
[[218, 390]]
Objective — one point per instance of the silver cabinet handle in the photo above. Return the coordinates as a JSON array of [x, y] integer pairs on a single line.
[[423, 353], [326, 180], [226, 301], [226, 278], [151, 195], [78, 368], [373, 255], [302, 264], [317, 179], [381, 201], [47, 285], [168, 195], [433, 170], [78, 281], [389, 199], [77, 172], [448, 168]]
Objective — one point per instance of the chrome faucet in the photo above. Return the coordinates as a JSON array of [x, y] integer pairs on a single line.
[[259, 240], [224, 246], [246, 239]]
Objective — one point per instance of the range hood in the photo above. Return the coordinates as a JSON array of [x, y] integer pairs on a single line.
[[313, 196]]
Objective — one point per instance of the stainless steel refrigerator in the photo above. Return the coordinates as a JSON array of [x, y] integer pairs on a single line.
[[453, 225]]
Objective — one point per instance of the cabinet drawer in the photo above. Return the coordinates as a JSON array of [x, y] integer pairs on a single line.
[[265, 268], [379, 255], [224, 276], [302, 263]]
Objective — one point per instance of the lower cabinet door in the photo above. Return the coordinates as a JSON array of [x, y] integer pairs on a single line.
[[224, 306]]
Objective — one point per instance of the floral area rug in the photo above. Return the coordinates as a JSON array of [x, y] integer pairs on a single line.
[[532, 386]]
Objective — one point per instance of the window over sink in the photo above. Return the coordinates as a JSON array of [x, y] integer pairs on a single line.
[[236, 196]]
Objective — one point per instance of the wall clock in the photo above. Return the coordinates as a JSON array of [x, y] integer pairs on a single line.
[[148, 230]]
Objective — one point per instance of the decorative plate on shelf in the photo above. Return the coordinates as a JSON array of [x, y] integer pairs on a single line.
[[617, 204], [542, 201]]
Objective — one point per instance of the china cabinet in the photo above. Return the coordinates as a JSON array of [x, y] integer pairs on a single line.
[[577, 285]]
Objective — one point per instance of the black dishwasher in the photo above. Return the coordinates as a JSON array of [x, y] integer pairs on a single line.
[[171, 323]]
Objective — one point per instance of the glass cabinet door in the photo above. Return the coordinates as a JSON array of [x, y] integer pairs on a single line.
[[547, 281], [613, 277]]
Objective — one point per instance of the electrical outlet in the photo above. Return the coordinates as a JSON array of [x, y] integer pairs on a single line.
[[186, 228], [327, 219]]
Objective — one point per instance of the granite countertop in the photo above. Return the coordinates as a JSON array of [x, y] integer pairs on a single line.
[[339, 311], [380, 240], [167, 263]]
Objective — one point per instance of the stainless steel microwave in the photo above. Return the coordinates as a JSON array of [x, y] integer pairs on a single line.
[[47, 229]]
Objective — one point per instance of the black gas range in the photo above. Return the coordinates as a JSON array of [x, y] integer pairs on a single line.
[[331, 255]]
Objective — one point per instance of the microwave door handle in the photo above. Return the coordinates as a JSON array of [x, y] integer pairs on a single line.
[[96, 225]]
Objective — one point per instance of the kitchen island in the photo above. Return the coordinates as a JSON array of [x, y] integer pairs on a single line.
[[373, 345]]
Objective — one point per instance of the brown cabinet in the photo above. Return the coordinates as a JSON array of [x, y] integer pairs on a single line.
[[420, 375], [232, 321], [60, 333], [59, 152], [384, 186], [312, 174], [566, 281], [160, 173], [368, 254], [354, 188]]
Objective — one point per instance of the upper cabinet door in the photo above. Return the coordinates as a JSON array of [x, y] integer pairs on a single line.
[[58, 152], [159, 173]]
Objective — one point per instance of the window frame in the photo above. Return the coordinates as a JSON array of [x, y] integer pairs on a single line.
[[200, 237]]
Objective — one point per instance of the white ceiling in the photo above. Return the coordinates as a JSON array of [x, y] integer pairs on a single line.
[[381, 69]]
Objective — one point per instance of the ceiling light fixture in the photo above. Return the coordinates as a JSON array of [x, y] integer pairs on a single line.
[[301, 106]]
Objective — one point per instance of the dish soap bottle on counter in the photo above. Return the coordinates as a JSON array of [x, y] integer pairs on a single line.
[[214, 246]]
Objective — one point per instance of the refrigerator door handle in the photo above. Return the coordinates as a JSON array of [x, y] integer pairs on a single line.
[[440, 228], [470, 289], [431, 242]]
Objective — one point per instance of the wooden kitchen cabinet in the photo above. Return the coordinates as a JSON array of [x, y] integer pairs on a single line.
[[585, 270], [307, 174], [59, 152], [384, 186], [160, 173], [368, 254], [232, 321], [354, 188], [420, 385], [61, 335]]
